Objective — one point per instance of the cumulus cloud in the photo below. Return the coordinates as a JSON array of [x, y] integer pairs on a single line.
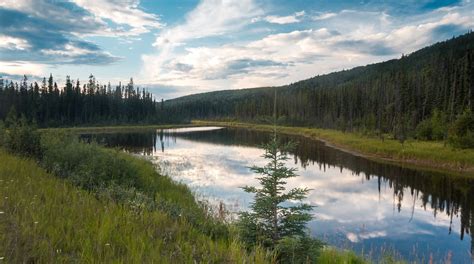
[[48, 32], [334, 41], [122, 12], [323, 16], [45, 42], [12, 43], [87, 17], [210, 18], [295, 18]]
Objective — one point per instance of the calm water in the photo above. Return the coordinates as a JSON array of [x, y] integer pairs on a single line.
[[361, 204]]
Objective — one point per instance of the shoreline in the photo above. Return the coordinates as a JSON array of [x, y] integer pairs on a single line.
[[424, 155], [464, 168]]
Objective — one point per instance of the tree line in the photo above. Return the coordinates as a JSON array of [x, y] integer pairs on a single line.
[[91, 103], [428, 94]]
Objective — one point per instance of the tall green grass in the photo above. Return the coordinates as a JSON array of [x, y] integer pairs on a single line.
[[334, 256], [125, 179], [47, 220]]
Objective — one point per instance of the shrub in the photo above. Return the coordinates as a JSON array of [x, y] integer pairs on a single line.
[[462, 131], [424, 130], [433, 128], [298, 249], [21, 138], [439, 125]]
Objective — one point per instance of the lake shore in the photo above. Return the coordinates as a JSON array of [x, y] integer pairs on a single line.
[[104, 224], [415, 154], [116, 128], [428, 155]]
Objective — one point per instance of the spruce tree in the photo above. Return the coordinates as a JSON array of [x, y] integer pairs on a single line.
[[271, 218], [277, 218]]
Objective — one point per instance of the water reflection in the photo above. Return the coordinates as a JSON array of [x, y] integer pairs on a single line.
[[361, 204]]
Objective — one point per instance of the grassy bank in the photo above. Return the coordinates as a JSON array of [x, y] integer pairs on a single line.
[[84, 203], [44, 219], [424, 154], [114, 129]]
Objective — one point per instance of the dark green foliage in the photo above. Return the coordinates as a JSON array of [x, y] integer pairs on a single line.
[[18, 137], [433, 128], [390, 97], [462, 131], [298, 249], [278, 218], [93, 103], [424, 130]]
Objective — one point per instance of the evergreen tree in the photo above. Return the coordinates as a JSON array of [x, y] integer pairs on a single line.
[[278, 217], [273, 218], [50, 105]]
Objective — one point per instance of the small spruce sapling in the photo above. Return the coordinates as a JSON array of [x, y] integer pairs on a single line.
[[271, 217]]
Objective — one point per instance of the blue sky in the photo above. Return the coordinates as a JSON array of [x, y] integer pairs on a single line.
[[182, 47]]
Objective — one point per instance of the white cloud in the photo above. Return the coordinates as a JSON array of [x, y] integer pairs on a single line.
[[210, 18], [12, 43], [352, 237], [122, 12], [90, 17], [351, 38], [295, 18], [20, 68], [281, 20], [411, 37], [69, 50], [324, 16]]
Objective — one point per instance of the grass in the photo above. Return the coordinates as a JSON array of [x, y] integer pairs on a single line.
[[114, 129], [47, 220], [124, 179], [77, 202], [424, 154], [334, 256]]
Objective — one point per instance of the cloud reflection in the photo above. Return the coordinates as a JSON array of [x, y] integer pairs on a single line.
[[360, 204]]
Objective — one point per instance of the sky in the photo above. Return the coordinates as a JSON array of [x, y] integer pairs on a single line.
[[175, 48]]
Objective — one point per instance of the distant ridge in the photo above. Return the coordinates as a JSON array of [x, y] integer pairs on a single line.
[[395, 93]]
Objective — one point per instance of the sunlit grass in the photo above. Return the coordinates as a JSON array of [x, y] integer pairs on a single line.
[[334, 256], [426, 154], [114, 129]]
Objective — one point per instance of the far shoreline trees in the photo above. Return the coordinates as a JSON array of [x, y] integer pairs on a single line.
[[47, 104]]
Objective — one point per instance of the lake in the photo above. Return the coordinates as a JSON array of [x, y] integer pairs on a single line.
[[367, 206]]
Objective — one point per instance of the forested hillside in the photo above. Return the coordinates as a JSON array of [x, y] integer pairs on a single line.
[[92, 103], [425, 94]]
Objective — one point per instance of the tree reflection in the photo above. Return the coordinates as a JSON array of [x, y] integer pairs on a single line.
[[453, 196]]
